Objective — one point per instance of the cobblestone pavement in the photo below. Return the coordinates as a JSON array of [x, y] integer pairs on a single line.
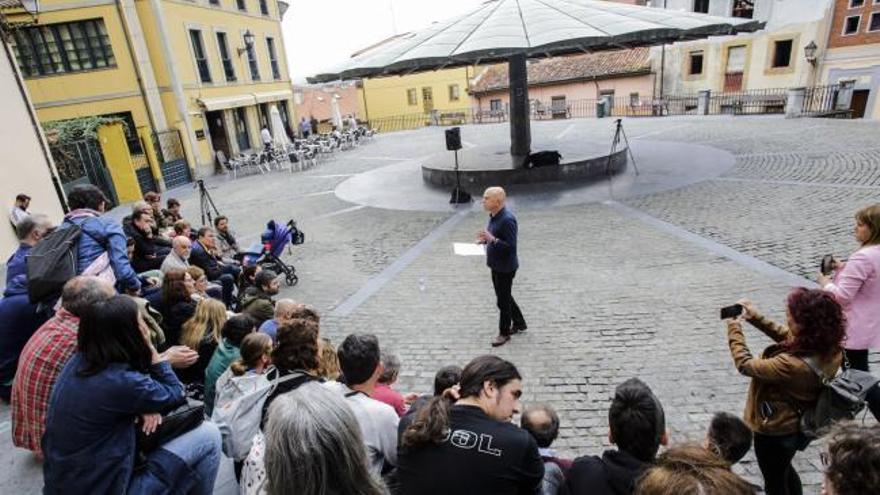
[[606, 295]]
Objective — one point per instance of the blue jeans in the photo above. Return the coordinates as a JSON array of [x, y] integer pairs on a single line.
[[198, 449]]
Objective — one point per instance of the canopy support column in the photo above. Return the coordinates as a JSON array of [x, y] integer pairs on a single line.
[[520, 127]]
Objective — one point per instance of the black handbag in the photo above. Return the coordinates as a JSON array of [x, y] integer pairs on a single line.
[[175, 422]]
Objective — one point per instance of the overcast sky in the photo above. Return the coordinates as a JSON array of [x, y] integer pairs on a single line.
[[320, 33]]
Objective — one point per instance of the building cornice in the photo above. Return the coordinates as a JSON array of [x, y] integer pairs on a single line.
[[223, 10], [79, 4], [87, 99]]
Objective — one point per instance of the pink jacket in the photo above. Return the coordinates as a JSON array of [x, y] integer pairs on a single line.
[[857, 287]]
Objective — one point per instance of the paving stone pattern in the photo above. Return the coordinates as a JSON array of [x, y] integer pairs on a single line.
[[606, 300], [606, 296]]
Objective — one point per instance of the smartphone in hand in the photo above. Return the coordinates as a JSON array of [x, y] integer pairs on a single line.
[[827, 264], [731, 311]]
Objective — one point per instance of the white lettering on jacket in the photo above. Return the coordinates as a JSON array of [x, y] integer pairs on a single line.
[[467, 440]]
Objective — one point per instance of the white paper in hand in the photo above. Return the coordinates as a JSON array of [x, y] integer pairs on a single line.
[[468, 249]]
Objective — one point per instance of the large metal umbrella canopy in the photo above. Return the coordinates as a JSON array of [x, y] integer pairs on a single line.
[[515, 30]]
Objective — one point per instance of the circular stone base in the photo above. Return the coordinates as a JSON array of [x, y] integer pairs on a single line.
[[661, 166], [481, 166]]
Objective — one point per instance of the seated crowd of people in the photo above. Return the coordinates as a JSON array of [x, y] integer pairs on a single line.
[[171, 319]]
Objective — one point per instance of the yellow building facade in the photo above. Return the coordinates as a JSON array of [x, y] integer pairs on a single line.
[[441, 91], [188, 77]]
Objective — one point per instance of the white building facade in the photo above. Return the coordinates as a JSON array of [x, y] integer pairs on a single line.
[[773, 57]]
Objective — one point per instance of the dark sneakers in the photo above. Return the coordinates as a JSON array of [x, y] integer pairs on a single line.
[[519, 328]]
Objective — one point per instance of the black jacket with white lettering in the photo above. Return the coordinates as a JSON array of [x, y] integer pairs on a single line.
[[481, 456]]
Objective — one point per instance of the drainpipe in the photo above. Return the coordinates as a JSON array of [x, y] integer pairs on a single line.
[[38, 130], [176, 86], [364, 96], [156, 116], [662, 60]]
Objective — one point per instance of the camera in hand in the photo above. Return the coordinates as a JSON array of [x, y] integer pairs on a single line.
[[827, 264], [731, 311]]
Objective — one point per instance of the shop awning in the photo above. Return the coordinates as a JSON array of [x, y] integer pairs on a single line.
[[223, 102], [273, 96]]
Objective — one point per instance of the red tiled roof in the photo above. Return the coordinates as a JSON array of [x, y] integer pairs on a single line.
[[597, 65]]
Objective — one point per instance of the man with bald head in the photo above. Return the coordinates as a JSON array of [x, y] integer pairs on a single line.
[[542, 423], [500, 240], [178, 258]]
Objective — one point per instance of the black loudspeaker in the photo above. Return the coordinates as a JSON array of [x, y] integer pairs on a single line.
[[453, 139]]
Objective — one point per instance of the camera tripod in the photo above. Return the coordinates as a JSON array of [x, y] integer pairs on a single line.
[[206, 203], [615, 142]]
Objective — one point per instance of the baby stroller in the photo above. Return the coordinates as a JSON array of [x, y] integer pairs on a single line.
[[274, 239]]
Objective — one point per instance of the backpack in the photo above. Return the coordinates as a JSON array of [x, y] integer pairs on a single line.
[[238, 409], [544, 159], [52, 262], [841, 398]]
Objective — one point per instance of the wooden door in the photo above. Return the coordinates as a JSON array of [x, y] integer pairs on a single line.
[[217, 130], [428, 99], [859, 103]]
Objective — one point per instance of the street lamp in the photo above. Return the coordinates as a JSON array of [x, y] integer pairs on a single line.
[[248, 42], [810, 53]]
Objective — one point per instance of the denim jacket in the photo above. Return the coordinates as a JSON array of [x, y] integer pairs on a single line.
[[17, 263], [101, 233], [89, 442]]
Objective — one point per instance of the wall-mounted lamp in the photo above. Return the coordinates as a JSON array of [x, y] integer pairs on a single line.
[[810, 53], [248, 42]]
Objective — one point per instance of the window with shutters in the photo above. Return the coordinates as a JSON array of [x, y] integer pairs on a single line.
[[195, 37], [223, 48], [273, 58], [454, 93], [252, 62]]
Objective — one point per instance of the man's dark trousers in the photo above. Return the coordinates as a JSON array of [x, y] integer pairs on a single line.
[[227, 280], [509, 311]]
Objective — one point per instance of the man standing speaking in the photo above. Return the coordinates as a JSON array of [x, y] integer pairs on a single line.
[[500, 240]]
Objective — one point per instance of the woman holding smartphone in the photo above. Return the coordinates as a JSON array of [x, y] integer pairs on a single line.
[[782, 382], [856, 284]]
